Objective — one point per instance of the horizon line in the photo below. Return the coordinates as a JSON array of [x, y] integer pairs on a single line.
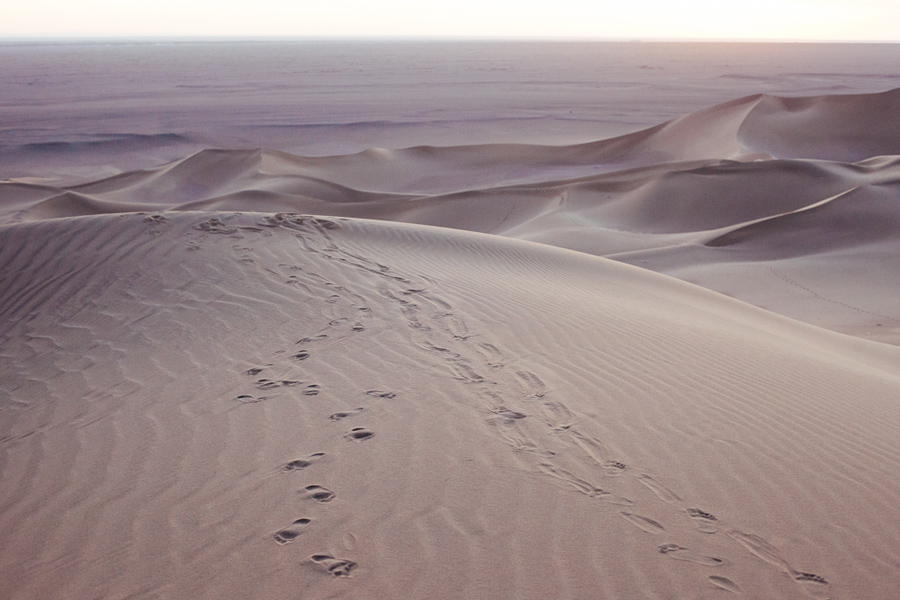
[[79, 38]]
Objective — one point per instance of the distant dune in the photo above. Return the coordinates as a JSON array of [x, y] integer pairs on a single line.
[[790, 204], [415, 373]]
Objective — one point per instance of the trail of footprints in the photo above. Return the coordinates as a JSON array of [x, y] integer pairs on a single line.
[[525, 422], [335, 566], [345, 312]]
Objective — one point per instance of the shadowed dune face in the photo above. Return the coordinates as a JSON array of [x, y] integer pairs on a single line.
[[846, 128], [739, 186]]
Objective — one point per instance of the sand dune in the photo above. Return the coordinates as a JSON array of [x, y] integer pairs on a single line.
[[845, 127], [691, 193], [413, 371], [215, 405]]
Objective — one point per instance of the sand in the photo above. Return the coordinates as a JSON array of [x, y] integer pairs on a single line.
[[414, 371]]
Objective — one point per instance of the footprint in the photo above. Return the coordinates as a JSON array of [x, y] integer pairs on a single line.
[[318, 493], [291, 533], [464, 372], [605, 496], [247, 399], [661, 491], [492, 355], [760, 548], [705, 522], [458, 329], [809, 578], [268, 384], [254, 371], [614, 468], [680, 553], [302, 463], [315, 338], [534, 382], [507, 414], [336, 566], [724, 583], [583, 486], [557, 415], [215, 225], [302, 355], [357, 327], [359, 434], [381, 394], [344, 414], [311, 390], [597, 451], [643, 523], [814, 585]]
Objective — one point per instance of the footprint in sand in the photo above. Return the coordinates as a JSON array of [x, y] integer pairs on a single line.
[[724, 583], [661, 491], [381, 394], [359, 434], [596, 450], [302, 463], [814, 585], [507, 415], [614, 468], [346, 413], [311, 390], [247, 399], [643, 523], [268, 384], [292, 532], [532, 381], [705, 522], [336, 566], [302, 355], [215, 225], [681, 553], [318, 493], [583, 486]]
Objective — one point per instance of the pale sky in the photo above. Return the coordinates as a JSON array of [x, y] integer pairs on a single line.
[[839, 20]]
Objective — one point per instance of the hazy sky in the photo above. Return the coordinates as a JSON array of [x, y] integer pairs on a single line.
[[713, 19]]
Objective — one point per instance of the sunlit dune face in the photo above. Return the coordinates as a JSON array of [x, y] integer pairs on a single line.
[[642, 19]]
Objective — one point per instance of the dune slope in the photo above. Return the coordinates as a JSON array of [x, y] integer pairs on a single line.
[[699, 197], [221, 405]]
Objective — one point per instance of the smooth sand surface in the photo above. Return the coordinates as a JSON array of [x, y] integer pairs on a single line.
[[414, 372]]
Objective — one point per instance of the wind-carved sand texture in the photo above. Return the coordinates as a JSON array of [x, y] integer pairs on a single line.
[[253, 374]]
